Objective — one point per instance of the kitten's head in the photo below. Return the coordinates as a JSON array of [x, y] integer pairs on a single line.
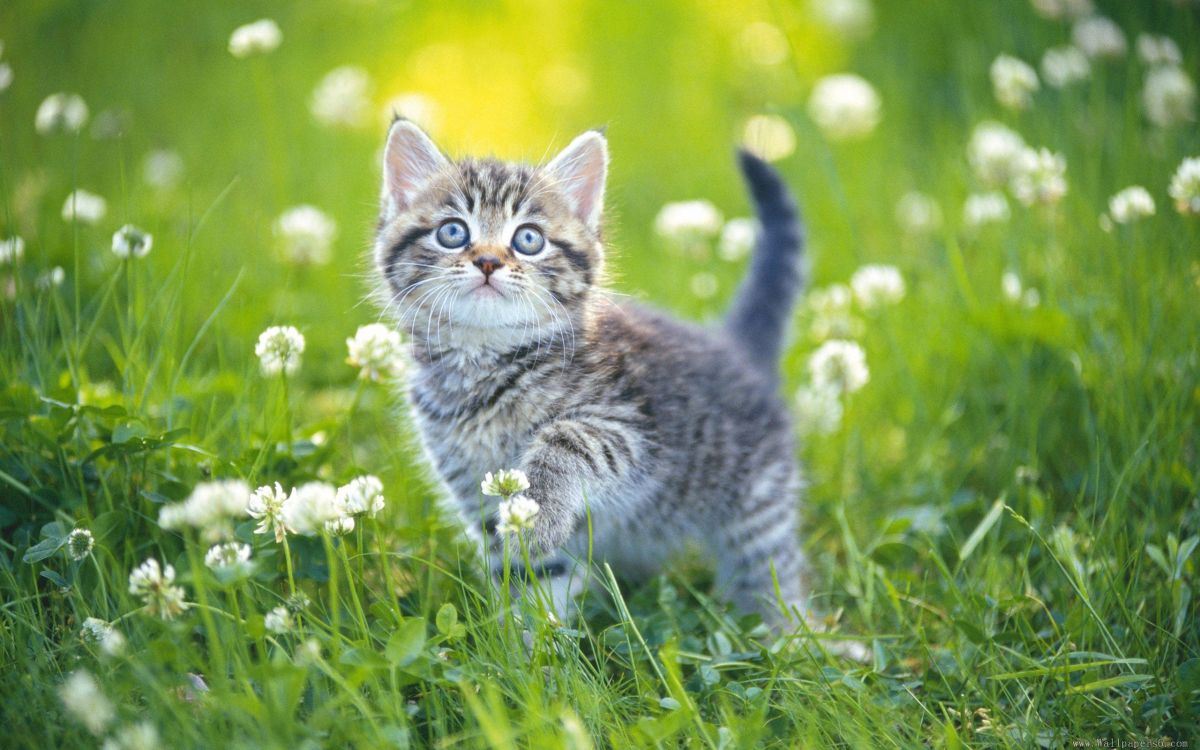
[[494, 252]]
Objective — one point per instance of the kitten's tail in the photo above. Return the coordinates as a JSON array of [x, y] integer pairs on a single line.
[[759, 315]]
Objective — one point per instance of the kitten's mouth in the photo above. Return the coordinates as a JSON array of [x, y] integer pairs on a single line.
[[486, 289]]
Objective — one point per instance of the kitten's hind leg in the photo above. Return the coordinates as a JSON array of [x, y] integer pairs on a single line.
[[760, 566]]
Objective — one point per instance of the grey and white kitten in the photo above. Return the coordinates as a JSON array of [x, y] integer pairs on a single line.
[[659, 434]]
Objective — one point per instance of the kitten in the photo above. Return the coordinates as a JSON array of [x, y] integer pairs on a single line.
[[659, 433]]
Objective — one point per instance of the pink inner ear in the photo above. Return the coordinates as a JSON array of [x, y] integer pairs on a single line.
[[410, 161], [580, 170]]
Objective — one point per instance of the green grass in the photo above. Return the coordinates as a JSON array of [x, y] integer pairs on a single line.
[[1003, 517]]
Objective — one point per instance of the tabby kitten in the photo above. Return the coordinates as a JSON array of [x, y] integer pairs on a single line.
[[658, 433]]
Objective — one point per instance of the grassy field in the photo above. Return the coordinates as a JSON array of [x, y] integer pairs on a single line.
[[1005, 515]]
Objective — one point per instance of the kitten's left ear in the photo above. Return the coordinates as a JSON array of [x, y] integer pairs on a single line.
[[580, 169], [410, 160]]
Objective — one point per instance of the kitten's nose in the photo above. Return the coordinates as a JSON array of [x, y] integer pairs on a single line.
[[488, 264]]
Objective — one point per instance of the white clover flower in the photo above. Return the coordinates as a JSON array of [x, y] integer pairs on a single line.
[[94, 629], [131, 242], [994, 153], [279, 349], [1062, 66], [831, 313], [1015, 292], [985, 208], [1013, 82], [1041, 178], [685, 221], [1169, 97], [51, 278], [876, 285], [362, 495], [308, 652], [260, 37], [306, 234], [80, 543], [6, 77], [342, 98], [112, 643], [1098, 37], [839, 364], [819, 409], [84, 207], [704, 285], [11, 251], [378, 352], [737, 239], [1185, 186], [210, 508], [155, 585], [918, 213], [1131, 204], [770, 137], [83, 700], [162, 168], [309, 506], [228, 555], [416, 107], [278, 620], [1158, 50], [340, 526], [139, 736], [1056, 9], [62, 112], [844, 106], [852, 19], [504, 483], [266, 507], [516, 514]]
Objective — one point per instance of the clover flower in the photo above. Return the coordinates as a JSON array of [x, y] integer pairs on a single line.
[[985, 208], [1056, 9], [279, 349], [1041, 178], [819, 409], [83, 700], [11, 251], [839, 364], [210, 507], [1158, 50], [112, 643], [94, 629], [1131, 204], [340, 526], [162, 168], [378, 352], [278, 620], [84, 207], [1062, 66], [1013, 82], [61, 112], [844, 106], [131, 242], [688, 221], [918, 213], [1015, 292], [1098, 37], [737, 239], [876, 285], [139, 736], [6, 77], [342, 98], [517, 513], [228, 555], [80, 543], [852, 19], [770, 137], [306, 234], [51, 278], [266, 506], [362, 495], [504, 483], [256, 38], [155, 585], [309, 506], [1185, 186], [1169, 97], [994, 153]]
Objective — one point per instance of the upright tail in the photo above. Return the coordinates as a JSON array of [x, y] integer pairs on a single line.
[[760, 311]]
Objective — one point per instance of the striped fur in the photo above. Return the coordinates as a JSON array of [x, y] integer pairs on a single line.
[[666, 434]]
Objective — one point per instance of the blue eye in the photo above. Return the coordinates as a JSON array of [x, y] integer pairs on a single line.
[[528, 240], [453, 234]]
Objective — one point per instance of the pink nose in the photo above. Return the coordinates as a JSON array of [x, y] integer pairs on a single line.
[[488, 264]]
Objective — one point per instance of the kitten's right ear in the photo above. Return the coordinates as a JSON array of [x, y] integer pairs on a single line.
[[410, 160]]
